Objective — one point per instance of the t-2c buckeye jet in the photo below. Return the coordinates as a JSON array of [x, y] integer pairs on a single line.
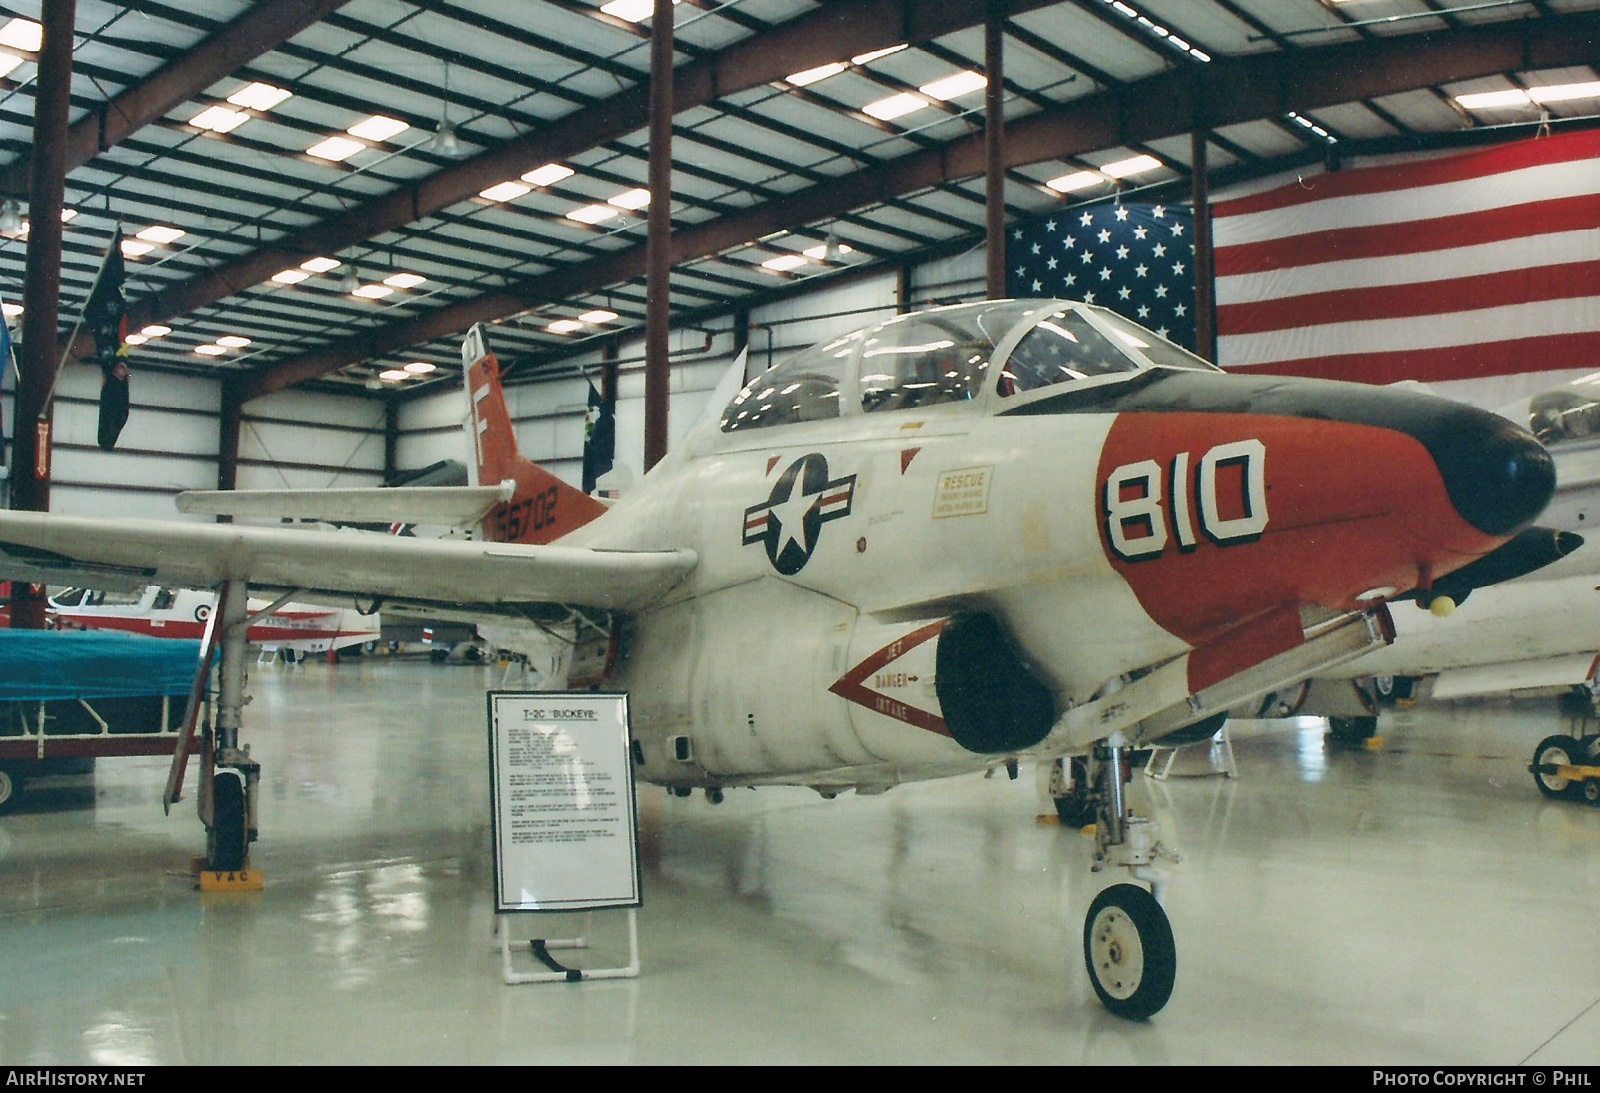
[[966, 536]]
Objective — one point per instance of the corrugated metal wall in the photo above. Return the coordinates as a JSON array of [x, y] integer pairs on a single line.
[[168, 445], [307, 439]]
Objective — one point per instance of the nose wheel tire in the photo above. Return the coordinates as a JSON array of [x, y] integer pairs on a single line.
[[1129, 951], [1557, 751]]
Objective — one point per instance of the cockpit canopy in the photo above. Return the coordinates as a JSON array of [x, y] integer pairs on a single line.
[[952, 354], [1566, 413]]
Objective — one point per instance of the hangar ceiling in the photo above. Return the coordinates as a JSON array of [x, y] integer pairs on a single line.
[[338, 188]]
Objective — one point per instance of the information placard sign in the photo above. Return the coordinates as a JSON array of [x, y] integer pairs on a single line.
[[564, 812]]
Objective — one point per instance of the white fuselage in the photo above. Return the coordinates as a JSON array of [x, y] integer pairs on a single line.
[[740, 656]]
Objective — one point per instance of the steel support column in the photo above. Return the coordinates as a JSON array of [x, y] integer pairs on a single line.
[[229, 425], [658, 244], [391, 439], [994, 131], [41, 287], [608, 374], [1205, 296]]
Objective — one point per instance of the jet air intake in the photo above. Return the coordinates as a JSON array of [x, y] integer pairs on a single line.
[[991, 700]]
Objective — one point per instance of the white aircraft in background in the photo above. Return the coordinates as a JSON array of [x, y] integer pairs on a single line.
[[182, 613], [950, 541]]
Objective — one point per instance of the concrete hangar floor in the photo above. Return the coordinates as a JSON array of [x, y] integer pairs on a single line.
[[1417, 905]]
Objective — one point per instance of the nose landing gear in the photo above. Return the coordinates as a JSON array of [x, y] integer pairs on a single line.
[[1128, 946]]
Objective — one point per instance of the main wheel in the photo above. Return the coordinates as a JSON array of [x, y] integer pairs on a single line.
[[1558, 751], [1352, 730], [1393, 690], [1204, 729], [1128, 948], [228, 835], [10, 788], [1076, 807]]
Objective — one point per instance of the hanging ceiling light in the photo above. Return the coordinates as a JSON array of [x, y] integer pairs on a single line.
[[444, 140]]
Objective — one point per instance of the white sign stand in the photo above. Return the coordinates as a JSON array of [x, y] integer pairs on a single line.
[[565, 820]]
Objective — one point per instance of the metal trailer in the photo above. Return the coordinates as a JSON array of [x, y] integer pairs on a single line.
[[68, 697]]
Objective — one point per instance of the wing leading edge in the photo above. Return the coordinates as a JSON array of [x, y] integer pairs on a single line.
[[407, 504], [35, 546]]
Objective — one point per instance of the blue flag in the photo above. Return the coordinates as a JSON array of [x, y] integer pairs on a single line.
[[1136, 259], [599, 440], [106, 316]]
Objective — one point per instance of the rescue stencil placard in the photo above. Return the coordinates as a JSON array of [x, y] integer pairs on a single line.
[[963, 492], [564, 816]]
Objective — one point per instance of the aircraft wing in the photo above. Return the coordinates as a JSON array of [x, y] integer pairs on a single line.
[[401, 504], [76, 549], [1508, 677]]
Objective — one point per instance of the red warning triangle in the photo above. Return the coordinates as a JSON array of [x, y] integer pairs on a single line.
[[906, 456]]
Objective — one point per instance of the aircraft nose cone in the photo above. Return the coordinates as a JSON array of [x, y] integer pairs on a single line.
[[1497, 475]]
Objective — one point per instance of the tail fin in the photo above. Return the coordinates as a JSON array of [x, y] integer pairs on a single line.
[[543, 508]]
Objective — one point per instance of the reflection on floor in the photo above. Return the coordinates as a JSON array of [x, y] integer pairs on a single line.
[[1422, 904]]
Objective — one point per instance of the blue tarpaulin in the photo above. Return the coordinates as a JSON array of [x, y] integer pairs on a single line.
[[49, 665]]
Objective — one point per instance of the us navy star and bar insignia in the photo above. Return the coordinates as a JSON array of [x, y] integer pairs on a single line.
[[789, 522]]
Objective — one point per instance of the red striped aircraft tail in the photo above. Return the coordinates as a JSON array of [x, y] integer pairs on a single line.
[[543, 508]]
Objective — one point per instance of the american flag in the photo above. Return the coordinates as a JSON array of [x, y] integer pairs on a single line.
[[1445, 267], [1136, 259]]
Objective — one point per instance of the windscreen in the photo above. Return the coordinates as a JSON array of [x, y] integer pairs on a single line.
[[1061, 349], [1155, 347]]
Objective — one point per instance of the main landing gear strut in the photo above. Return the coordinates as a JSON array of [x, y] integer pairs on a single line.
[[1127, 941]]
